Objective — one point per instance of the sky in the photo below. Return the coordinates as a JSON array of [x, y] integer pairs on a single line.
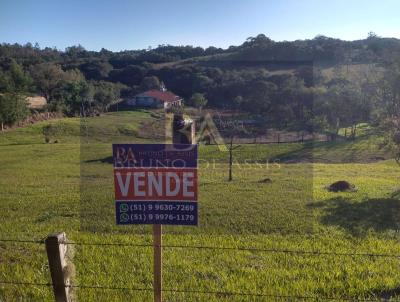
[[129, 24]]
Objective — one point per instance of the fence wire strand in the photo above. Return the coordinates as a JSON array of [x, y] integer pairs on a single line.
[[228, 248], [217, 293], [16, 283]]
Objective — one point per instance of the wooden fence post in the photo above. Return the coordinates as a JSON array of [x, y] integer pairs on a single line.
[[157, 246], [56, 250]]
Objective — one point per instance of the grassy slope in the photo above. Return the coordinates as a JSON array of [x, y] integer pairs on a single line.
[[42, 192]]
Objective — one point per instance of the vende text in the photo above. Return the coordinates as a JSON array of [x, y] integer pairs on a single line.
[[155, 184]]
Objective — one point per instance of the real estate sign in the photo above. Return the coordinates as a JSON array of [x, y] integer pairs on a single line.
[[155, 184]]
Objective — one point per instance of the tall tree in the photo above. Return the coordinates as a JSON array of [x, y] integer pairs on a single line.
[[198, 100], [78, 97], [48, 78], [105, 94], [261, 96], [96, 70], [22, 82], [13, 107], [15, 79], [149, 83]]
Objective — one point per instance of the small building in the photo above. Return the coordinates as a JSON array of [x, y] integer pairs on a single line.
[[155, 99], [36, 102]]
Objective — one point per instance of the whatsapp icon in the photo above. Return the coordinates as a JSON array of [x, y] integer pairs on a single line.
[[124, 217], [123, 207]]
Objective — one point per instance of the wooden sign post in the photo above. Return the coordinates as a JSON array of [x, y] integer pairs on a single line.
[[183, 132], [157, 184]]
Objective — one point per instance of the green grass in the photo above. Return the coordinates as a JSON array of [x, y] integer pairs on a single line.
[[363, 149], [68, 187]]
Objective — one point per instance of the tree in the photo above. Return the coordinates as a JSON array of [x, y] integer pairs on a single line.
[[64, 90], [22, 82], [130, 75], [261, 96], [372, 35], [48, 78], [237, 101], [390, 106], [198, 100], [78, 97], [75, 51], [201, 82], [390, 86], [343, 106], [149, 83], [232, 133], [307, 73], [15, 79], [337, 109], [96, 70], [6, 84], [105, 94], [13, 107]]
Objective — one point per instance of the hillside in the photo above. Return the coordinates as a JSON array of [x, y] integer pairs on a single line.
[[148, 126], [294, 86]]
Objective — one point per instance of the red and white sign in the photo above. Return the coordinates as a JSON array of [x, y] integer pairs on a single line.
[[156, 184]]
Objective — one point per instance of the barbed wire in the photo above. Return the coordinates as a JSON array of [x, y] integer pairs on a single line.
[[22, 241], [255, 249], [122, 244], [24, 283], [228, 248], [109, 287], [298, 297], [168, 290]]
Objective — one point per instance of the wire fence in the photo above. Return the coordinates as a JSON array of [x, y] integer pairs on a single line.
[[196, 292], [204, 247], [199, 292]]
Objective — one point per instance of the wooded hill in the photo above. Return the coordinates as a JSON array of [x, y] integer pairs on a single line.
[[321, 84]]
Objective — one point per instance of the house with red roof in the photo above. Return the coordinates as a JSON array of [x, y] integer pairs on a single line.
[[155, 99]]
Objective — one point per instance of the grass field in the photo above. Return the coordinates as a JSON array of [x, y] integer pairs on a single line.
[[67, 186]]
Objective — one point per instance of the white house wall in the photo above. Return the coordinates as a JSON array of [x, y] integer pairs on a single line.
[[144, 101]]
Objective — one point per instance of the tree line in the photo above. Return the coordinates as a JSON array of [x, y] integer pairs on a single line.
[[282, 82]]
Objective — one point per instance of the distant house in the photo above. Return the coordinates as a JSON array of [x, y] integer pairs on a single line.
[[155, 99], [36, 102]]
